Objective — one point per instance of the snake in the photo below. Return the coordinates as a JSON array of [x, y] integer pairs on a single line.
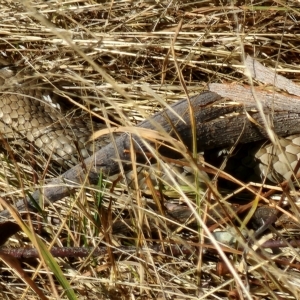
[[30, 114], [36, 116]]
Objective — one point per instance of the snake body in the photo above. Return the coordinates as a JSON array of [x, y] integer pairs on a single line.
[[39, 117], [279, 161]]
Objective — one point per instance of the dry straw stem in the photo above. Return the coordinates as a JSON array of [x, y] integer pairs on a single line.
[[122, 56]]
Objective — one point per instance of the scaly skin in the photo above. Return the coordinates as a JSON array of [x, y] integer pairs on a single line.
[[37, 116]]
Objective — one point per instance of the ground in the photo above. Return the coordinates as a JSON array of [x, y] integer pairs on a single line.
[[127, 60]]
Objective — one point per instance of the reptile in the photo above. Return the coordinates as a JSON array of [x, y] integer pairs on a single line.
[[31, 113], [36, 115], [54, 131]]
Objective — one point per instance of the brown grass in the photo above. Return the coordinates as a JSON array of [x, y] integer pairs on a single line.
[[124, 57]]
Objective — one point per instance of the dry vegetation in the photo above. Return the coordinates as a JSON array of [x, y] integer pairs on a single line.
[[129, 59]]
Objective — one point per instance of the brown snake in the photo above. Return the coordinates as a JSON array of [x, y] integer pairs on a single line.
[[47, 126], [37, 116]]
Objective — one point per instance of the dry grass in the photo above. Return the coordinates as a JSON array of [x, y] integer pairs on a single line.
[[121, 57]]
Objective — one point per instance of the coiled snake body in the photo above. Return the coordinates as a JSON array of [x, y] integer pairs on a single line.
[[36, 116]]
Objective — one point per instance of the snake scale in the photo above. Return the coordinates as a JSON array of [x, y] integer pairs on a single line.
[[39, 117]]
